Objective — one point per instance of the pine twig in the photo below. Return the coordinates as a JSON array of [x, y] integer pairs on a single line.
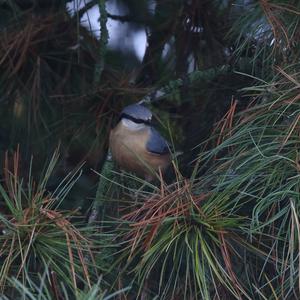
[[102, 190], [104, 37]]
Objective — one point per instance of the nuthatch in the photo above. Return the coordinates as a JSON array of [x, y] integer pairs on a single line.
[[136, 146]]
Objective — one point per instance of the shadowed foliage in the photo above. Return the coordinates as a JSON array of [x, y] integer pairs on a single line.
[[222, 80]]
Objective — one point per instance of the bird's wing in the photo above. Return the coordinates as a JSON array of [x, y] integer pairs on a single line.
[[156, 143]]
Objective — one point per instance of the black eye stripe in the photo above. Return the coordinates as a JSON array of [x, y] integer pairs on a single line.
[[139, 121]]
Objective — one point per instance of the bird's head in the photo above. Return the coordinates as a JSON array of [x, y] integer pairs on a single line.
[[137, 114]]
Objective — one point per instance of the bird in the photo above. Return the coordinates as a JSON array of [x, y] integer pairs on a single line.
[[136, 146]]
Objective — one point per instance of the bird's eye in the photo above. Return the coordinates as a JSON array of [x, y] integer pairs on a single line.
[[135, 120]]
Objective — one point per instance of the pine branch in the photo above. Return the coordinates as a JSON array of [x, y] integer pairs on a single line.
[[123, 19], [84, 9], [129, 18], [104, 37], [186, 81], [102, 190]]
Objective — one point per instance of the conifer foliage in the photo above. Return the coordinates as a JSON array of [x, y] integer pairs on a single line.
[[222, 79]]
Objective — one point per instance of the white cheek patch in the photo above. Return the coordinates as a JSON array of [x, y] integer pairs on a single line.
[[132, 125]]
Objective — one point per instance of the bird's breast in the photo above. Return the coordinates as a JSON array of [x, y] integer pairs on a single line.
[[128, 148]]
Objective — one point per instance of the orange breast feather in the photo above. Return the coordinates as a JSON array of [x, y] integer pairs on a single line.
[[128, 149]]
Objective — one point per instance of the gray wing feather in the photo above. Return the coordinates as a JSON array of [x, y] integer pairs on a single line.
[[156, 143]]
